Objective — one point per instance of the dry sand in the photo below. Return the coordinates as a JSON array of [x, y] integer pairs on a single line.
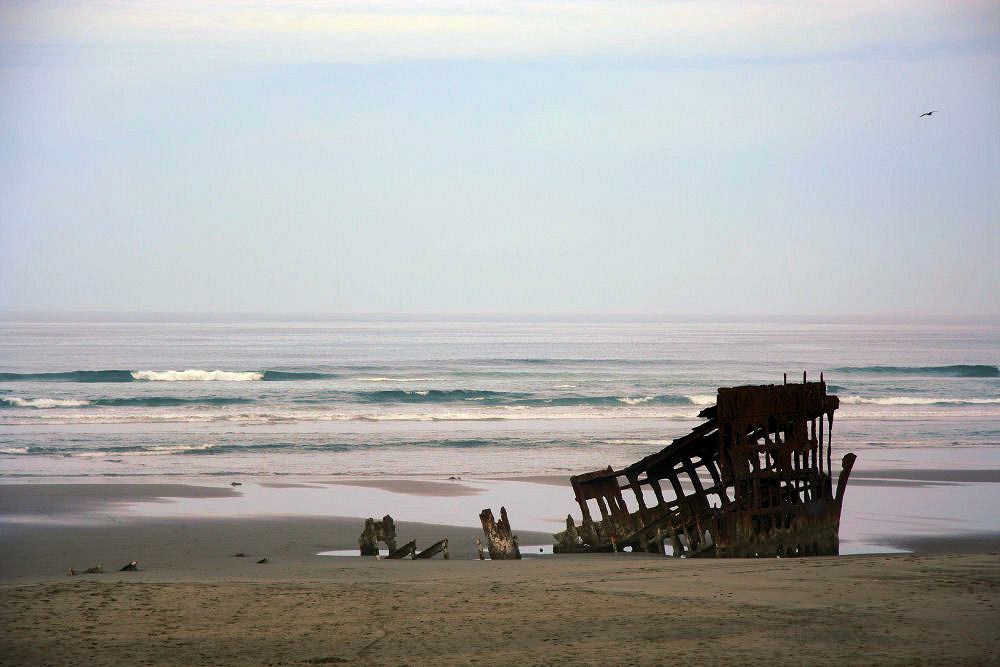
[[193, 603]]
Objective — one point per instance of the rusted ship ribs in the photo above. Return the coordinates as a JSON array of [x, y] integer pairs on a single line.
[[755, 479]]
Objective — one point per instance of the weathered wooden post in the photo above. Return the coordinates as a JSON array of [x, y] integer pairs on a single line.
[[408, 549], [568, 541], [501, 544], [441, 546], [375, 532]]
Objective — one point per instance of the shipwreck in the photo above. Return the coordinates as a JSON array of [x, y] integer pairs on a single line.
[[755, 479]]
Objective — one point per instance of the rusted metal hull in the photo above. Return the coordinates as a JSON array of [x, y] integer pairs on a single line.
[[754, 480]]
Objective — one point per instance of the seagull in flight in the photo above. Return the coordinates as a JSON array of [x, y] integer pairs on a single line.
[[928, 113]]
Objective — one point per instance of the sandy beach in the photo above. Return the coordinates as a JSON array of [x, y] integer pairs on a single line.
[[193, 602]]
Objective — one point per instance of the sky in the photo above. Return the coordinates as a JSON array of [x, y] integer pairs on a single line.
[[628, 157]]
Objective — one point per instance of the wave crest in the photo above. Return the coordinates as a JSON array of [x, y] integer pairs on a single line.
[[912, 400], [169, 401], [702, 399], [42, 403], [957, 370], [198, 375]]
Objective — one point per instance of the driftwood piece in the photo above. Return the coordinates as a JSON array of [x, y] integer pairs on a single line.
[[408, 549], [375, 532], [441, 546], [500, 542]]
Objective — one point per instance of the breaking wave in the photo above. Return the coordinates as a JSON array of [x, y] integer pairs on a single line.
[[514, 398], [117, 452], [702, 399], [959, 371], [198, 375], [41, 403], [279, 416], [166, 401], [189, 375], [138, 450], [145, 401], [913, 400], [432, 396]]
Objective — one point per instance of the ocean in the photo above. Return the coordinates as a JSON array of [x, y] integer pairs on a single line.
[[113, 396], [272, 403]]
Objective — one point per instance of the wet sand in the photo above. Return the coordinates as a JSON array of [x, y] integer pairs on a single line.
[[414, 487], [986, 475], [193, 602], [54, 500]]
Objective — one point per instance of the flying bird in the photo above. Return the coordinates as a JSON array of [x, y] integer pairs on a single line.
[[928, 113]]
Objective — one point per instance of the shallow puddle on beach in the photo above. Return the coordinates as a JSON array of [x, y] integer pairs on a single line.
[[356, 553], [880, 506], [522, 500], [529, 550]]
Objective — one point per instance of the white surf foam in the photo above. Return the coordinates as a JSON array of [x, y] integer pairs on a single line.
[[42, 403], [293, 416], [635, 401], [913, 400], [702, 399], [155, 450], [658, 442], [197, 375]]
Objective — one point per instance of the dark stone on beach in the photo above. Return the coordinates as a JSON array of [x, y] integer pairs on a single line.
[[131, 567], [236, 484], [97, 569], [240, 555], [265, 559]]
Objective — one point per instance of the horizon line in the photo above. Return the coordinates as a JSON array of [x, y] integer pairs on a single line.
[[57, 314]]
